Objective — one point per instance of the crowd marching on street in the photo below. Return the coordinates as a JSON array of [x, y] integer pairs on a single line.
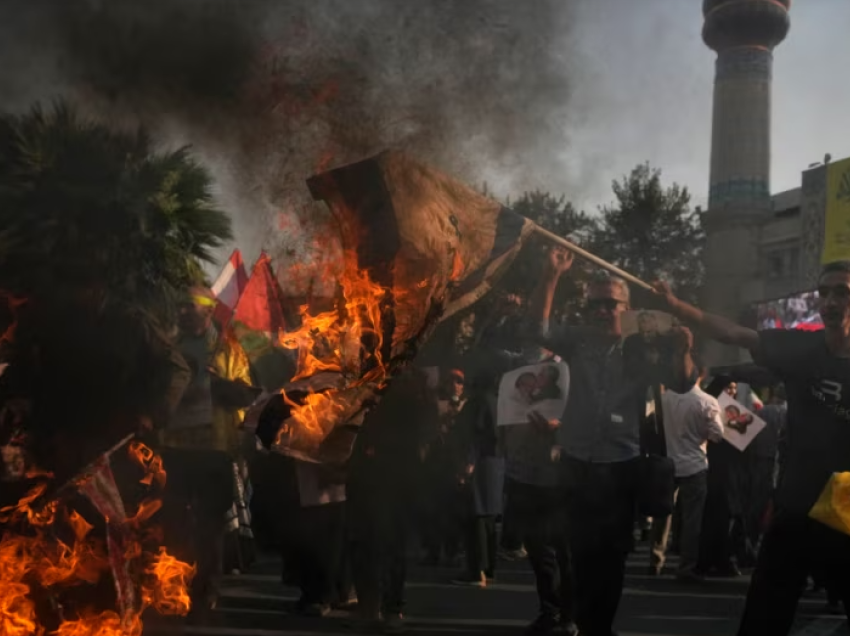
[[434, 468]]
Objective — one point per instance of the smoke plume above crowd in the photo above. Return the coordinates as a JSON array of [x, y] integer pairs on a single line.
[[271, 92]]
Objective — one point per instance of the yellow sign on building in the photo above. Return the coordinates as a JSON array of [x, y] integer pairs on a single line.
[[836, 240]]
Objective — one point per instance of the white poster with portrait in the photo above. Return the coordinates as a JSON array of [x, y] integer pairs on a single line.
[[540, 387], [740, 424]]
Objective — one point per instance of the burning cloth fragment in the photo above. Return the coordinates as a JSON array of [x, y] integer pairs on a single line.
[[80, 563], [418, 246]]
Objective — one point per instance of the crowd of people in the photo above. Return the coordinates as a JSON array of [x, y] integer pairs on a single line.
[[431, 470], [789, 313]]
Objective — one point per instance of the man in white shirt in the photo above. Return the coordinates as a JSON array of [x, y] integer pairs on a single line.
[[690, 421]]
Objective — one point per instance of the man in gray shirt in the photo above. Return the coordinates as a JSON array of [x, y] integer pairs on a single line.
[[599, 437]]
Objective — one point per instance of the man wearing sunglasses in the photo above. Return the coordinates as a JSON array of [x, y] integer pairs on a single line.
[[599, 435], [815, 368]]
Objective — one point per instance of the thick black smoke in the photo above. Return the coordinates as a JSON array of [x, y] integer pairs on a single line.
[[272, 91]]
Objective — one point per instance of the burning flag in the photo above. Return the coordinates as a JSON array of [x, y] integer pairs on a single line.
[[55, 560], [228, 287], [429, 238], [418, 246]]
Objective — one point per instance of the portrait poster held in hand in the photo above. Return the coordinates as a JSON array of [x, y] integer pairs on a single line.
[[740, 425], [541, 388]]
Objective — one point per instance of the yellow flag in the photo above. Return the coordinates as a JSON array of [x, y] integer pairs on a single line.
[[833, 506], [836, 240]]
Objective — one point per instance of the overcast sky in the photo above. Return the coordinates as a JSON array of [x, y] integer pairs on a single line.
[[646, 86]]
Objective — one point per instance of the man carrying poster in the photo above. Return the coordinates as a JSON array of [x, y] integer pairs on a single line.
[[815, 367]]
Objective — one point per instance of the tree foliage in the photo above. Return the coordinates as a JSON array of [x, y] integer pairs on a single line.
[[652, 232], [555, 214], [83, 206], [560, 217]]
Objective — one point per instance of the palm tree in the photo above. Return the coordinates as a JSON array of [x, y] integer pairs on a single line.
[[83, 205], [99, 234]]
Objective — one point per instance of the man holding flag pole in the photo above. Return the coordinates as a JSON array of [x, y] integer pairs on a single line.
[[599, 435]]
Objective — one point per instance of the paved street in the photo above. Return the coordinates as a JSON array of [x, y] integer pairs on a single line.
[[256, 604]]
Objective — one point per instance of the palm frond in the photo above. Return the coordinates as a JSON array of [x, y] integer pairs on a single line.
[[82, 204]]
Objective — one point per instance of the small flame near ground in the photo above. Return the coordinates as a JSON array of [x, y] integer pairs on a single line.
[[50, 548]]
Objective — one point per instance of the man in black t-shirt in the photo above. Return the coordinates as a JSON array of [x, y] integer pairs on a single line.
[[815, 367]]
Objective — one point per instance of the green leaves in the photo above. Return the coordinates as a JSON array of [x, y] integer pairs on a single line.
[[85, 206], [652, 232]]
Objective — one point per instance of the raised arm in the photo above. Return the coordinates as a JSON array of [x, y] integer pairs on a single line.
[[716, 327], [539, 311]]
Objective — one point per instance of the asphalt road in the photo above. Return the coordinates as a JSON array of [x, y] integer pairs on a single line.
[[257, 604]]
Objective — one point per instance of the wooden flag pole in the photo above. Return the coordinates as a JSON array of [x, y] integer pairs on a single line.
[[591, 257]]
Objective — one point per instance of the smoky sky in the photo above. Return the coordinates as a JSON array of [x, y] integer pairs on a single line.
[[268, 93]]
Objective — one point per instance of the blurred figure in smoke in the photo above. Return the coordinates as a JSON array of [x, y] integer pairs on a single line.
[[380, 491], [442, 456], [200, 446], [484, 478]]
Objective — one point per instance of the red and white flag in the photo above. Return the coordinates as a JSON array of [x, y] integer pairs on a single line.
[[261, 306], [229, 286]]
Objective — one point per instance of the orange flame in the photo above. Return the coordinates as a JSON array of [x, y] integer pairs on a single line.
[[32, 555], [347, 339], [172, 577], [105, 624], [318, 412], [150, 462], [17, 612], [332, 340], [23, 509], [147, 509], [81, 526]]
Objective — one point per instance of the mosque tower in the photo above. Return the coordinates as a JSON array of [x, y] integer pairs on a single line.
[[744, 34]]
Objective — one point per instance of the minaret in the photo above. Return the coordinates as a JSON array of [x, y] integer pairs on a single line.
[[744, 34]]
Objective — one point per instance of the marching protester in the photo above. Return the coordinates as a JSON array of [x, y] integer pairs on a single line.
[[535, 501], [815, 368], [484, 480], [380, 490], [723, 500], [601, 441], [691, 420], [444, 462]]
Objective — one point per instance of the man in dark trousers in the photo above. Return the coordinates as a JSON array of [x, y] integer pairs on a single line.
[[381, 495], [815, 367], [599, 438]]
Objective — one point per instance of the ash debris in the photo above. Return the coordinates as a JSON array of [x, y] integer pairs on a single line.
[[270, 92]]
